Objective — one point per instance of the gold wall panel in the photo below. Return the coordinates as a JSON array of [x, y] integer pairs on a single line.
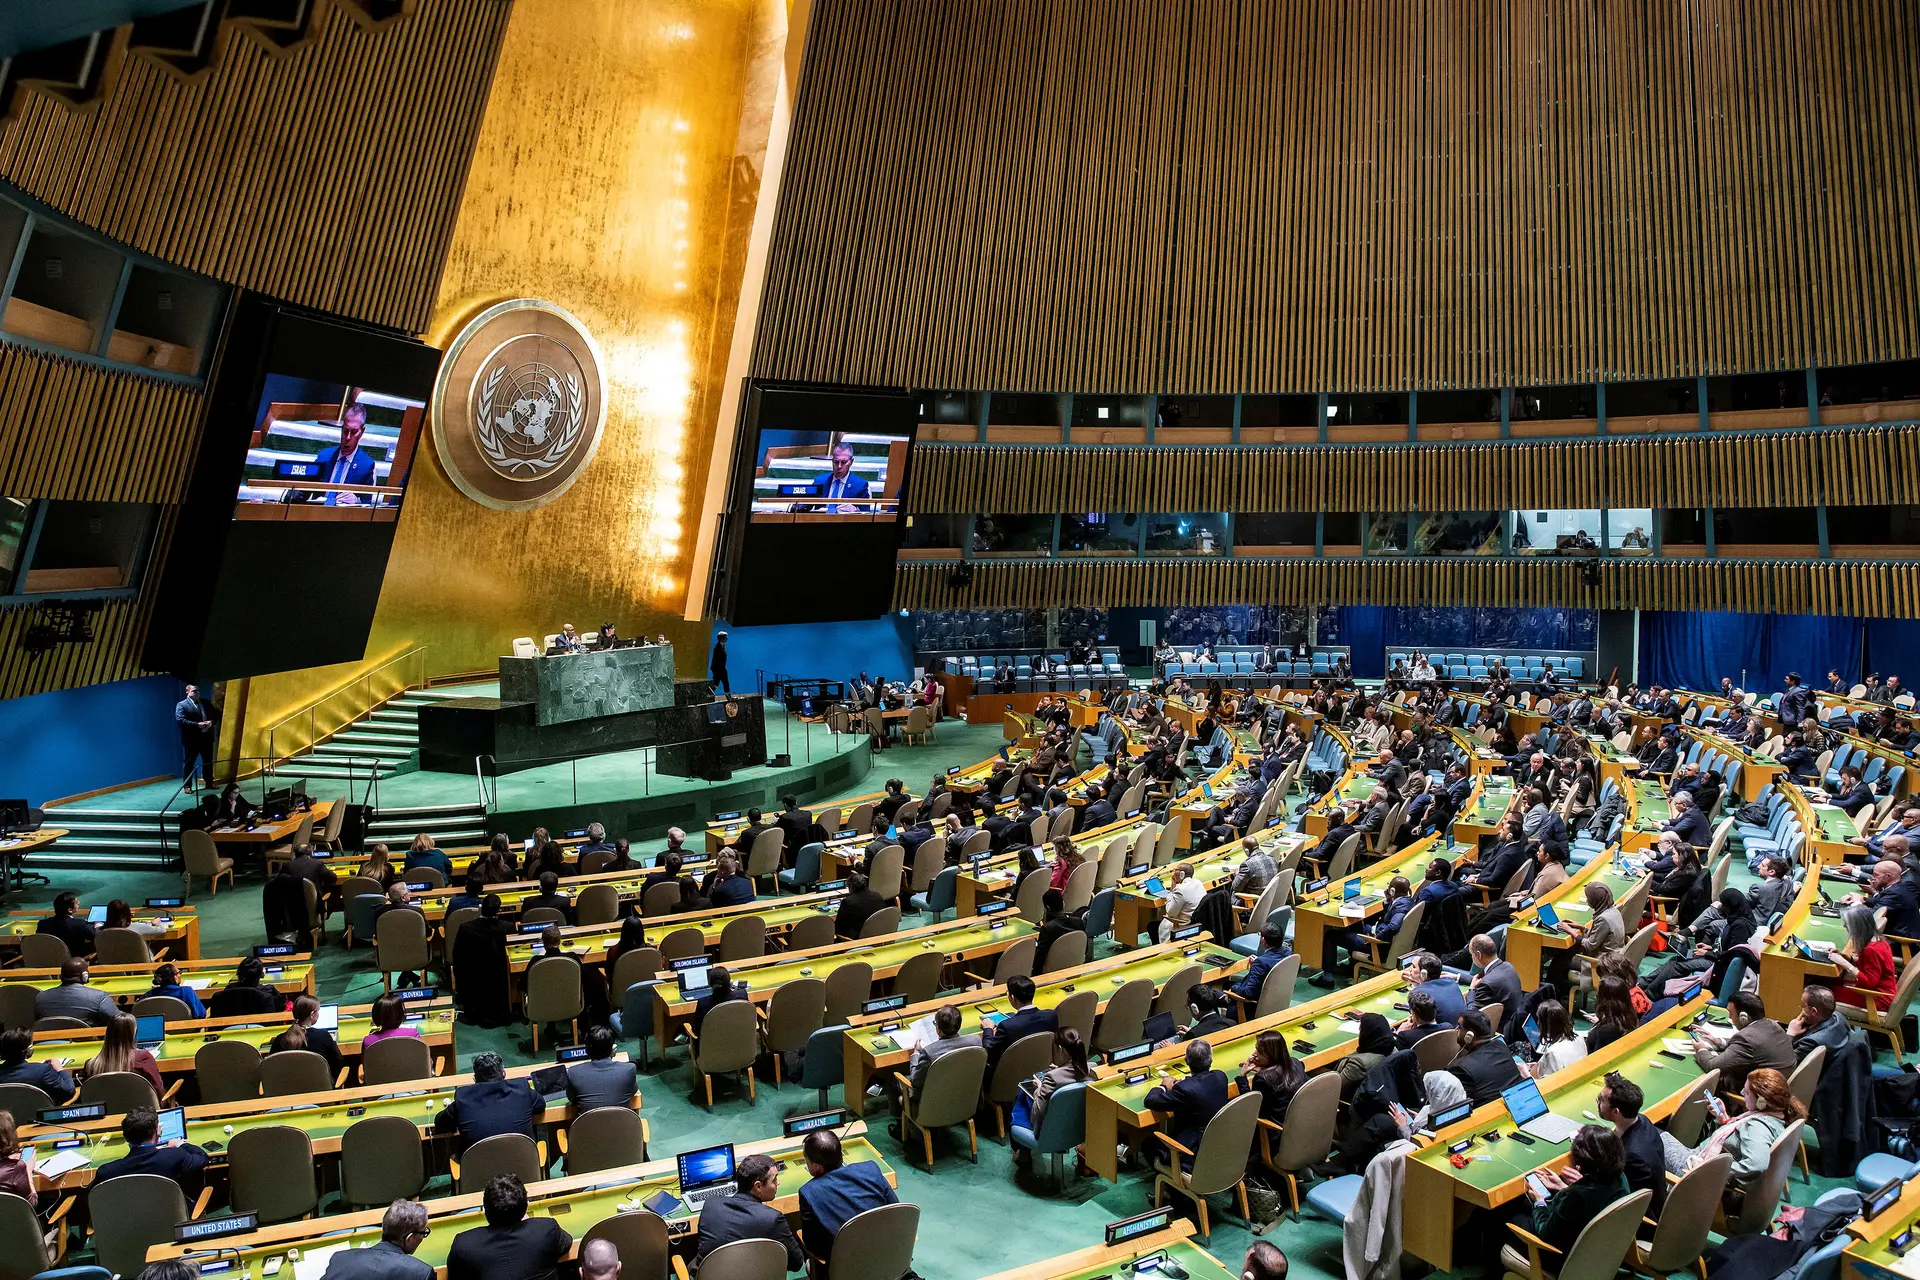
[[327, 175], [1853, 466], [1216, 196], [1888, 589], [617, 155]]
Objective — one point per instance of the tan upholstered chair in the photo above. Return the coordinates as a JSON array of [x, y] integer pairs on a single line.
[[1307, 1136], [1596, 1254], [949, 1096], [604, 1138], [1221, 1162], [381, 1160], [202, 858], [797, 1010]]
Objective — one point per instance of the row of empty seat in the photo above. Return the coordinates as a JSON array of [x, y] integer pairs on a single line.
[[1105, 672], [1241, 661], [1474, 666]]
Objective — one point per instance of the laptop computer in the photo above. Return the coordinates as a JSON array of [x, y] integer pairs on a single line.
[[693, 981], [1350, 890], [329, 1019], [96, 916], [1159, 1027], [1548, 917], [705, 1173], [149, 1032], [173, 1125], [1155, 886], [1529, 1111]]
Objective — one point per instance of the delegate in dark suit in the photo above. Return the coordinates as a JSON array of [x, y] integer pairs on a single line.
[[601, 1082], [1499, 983], [530, 1249], [490, 1107], [183, 1164], [382, 1261], [356, 469], [1021, 1022], [1191, 1103], [740, 1217], [829, 1200], [1646, 1162]]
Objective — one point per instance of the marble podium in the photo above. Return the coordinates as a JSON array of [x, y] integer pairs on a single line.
[[587, 686]]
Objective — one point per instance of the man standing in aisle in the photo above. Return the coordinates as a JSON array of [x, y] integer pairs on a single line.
[[717, 666], [194, 719]]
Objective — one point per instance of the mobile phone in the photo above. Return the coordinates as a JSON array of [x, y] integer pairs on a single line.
[[1523, 1139], [1303, 1046]]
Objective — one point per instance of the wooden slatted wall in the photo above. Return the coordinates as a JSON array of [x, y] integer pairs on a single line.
[[1856, 466], [1212, 196], [329, 175], [1860, 588]]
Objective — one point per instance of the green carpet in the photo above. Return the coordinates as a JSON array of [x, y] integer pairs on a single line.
[[977, 1219]]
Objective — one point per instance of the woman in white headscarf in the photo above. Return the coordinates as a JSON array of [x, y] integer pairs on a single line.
[[1371, 1234]]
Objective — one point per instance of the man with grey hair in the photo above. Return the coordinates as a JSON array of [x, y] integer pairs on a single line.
[[600, 1260], [597, 841], [491, 1105], [402, 1228]]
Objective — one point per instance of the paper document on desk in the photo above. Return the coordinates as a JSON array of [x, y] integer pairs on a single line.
[[913, 1036], [313, 1261], [1353, 913], [198, 984], [1673, 1044], [62, 1162]]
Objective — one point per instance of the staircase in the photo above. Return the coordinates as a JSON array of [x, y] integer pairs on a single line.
[[129, 839], [386, 741], [450, 825]]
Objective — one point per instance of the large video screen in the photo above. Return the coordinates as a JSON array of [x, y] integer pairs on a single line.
[[311, 430], [328, 451], [823, 480]]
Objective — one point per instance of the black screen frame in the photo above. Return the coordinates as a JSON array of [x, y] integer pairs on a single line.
[[797, 573], [247, 598]]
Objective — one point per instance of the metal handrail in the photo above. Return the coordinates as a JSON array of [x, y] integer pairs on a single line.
[[363, 684]]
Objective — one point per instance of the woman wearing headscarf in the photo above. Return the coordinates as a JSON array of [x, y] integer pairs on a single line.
[[1376, 1042]]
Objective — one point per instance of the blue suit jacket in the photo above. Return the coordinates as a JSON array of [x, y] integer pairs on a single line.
[[1026, 1022], [1192, 1102], [1448, 1003], [856, 485], [359, 470], [829, 1200]]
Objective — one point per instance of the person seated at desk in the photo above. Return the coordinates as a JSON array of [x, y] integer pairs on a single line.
[[743, 843], [1889, 889], [549, 897], [1273, 949], [1758, 1041], [726, 885], [389, 1018], [491, 1105], [1485, 1065], [1817, 1023], [421, 853], [861, 901], [512, 1246], [837, 1191], [166, 982], [17, 1067], [1274, 1074], [1865, 960], [66, 926], [179, 1160], [73, 998], [1359, 939], [946, 1027], [1422, 1020], [566, 641], [1181, 899], [720, 988], [602, 1080], [1568, 1204], [231, 809], [1207, 1002], [402, 1229], [897, 796], [748, 1214], [1025, 1020], [838, 482], [472, 893], [119, 1051], [1424, 972], [303, 1035], [1191, 1102]]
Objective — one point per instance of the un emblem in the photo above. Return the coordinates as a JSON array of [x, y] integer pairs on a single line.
[[519, 404]]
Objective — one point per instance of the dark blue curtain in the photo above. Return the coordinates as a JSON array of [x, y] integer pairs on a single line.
[[1893, 649], [1372, 629], [1693, 650]]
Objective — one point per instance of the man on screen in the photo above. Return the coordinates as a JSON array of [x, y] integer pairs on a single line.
[[344, 463], [840, 482]]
